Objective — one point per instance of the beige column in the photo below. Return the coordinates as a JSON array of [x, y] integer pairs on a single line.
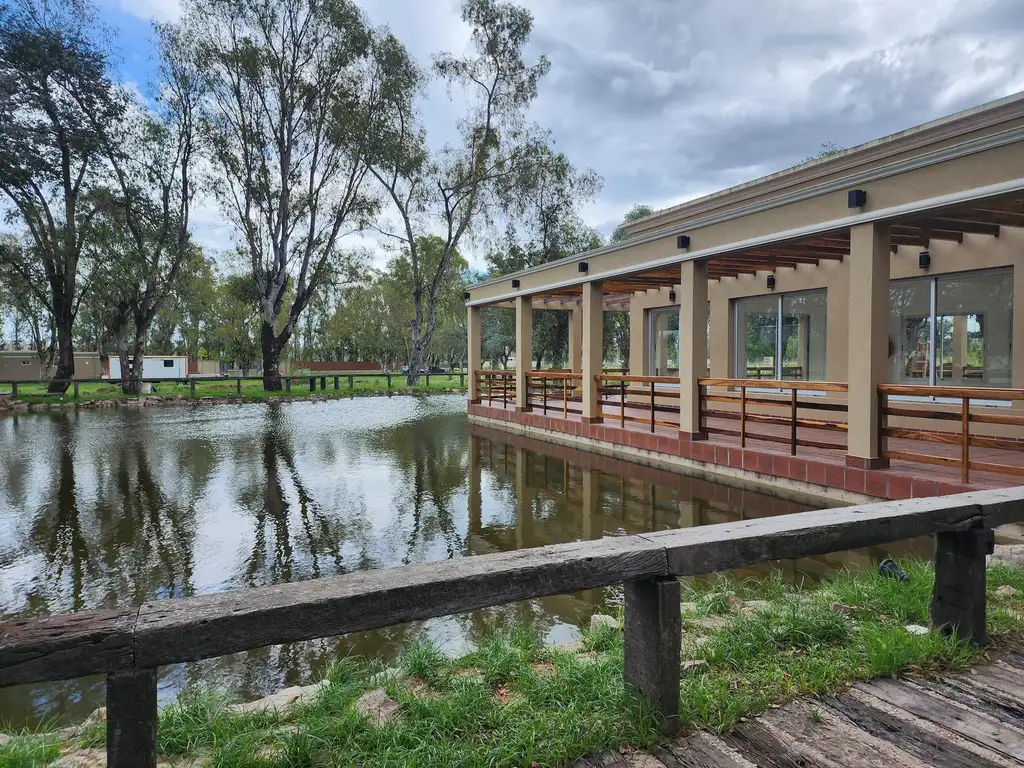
[[576, 340], [721, 347], [524, 349], [474, 358], [868, 329], [593, 348], [637, 335], [693, 335]]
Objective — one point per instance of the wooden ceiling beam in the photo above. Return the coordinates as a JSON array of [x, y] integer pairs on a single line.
[[929, 234], [956, 225], [1001, 218], [1000, 206]]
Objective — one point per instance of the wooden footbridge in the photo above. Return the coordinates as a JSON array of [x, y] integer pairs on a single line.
[[128, 645]]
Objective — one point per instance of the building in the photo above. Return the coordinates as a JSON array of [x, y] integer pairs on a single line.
[[846, 326], [24, 365], [171, 367]]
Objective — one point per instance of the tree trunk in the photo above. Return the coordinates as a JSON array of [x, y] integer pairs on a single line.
[[65, 352], [131, 374], [271, 358]]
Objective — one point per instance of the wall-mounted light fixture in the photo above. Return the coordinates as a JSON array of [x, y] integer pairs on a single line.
[[515, 283], [856, 198], [466, 295], [771, 282], [683, 241], [672, 296], [924, 259], [583, 267]]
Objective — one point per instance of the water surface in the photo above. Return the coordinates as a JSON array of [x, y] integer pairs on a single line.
[[110, 508]]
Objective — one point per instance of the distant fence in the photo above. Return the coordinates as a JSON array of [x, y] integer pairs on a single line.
[[195, 383], [129, 644]]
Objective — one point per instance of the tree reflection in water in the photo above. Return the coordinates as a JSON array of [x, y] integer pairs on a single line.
[[113, 508]]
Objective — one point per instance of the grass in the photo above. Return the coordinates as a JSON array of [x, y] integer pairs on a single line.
[[251, 389], [513, 702]]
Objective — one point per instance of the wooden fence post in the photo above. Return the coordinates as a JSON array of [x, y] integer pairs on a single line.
[[958, 597], [238, 385], [351, 381], [462, 380], [14, 390], [288, 384], [323, 383], [653, 636], [192, 386], [131, 719], [337, 383], [76, 388], [312, 384], [389, 380]]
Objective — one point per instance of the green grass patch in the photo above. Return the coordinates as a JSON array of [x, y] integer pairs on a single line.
[[513, 702]]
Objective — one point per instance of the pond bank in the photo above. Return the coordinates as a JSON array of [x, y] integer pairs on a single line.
[[747, 647]]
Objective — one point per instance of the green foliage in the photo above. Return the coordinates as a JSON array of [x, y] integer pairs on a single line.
[[638, 211]]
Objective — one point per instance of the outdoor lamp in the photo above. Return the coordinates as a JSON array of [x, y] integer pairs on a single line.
[[771, 282], [583, 266], [924, 259], [515, 283], [683, 241], [672, 295]]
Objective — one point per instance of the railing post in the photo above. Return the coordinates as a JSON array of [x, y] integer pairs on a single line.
[[389, 380], [14, 390], [652, 406], [958, 597], [622, 403], [192, 387], [76, 389], [288, 384], [504, 391], [312, 384], [337, 383], [351, 381], [965, 440], [792, 433], [131, 719], [653, 636], [544, 395], [462, 381], [238, 385], [743, 416], [883, 423], [427, 377], [565, 398]]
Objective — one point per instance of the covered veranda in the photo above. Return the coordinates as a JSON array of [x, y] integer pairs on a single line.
[[844, 326]]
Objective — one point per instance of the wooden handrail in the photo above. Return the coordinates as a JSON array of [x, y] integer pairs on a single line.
[[957, 393], [639, 379], [809, 386], [129, 644]]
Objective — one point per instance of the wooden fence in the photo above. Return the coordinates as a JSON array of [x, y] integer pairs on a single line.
[[128, 645], [194, 382]]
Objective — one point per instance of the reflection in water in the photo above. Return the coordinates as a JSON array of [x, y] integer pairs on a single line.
[[113, 508]]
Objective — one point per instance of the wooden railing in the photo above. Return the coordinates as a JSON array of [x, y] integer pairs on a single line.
[[554, 391], [496, 386], [196, 382], [639, 394], [960, 417], [778, 410], [128, 645]]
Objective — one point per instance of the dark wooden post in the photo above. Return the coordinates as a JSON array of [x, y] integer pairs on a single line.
[[14, 390], [288, 384], [793, 420], [743, 417], [192, 386], [312, 384], [462, 380], [428, 380], [238, 385], [389, 380], [653, 636], [965, 440], [652, 406], [351, 381], [958, 597], [337, 383], [76, 389], [131, 719]]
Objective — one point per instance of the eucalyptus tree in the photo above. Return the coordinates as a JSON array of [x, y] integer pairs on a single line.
[[466, 185], [291, 90], [56, 101]]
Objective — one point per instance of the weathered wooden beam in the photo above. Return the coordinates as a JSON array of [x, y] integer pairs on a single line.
[[171, 631], [65, 646], [131, 719], [928, 234], [958, 597], [653, 636], [714, 548]]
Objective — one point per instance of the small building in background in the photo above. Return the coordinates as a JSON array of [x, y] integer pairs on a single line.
[[168, 367], [19, 365]]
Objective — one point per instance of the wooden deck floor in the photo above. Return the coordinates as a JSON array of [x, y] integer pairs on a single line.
[[969, 720]]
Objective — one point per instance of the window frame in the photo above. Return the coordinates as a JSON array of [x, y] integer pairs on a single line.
[[739, 332]]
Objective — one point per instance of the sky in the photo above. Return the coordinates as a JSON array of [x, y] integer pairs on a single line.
[[670, 100]]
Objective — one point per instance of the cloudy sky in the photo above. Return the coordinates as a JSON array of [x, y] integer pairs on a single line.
[[671, 99]]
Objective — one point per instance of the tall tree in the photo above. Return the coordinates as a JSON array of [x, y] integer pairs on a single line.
[[462, 186], [638, 211], [290, 96], [56, 99]]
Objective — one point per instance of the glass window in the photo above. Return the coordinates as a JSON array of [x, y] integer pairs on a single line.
[[781, 336], [952, 329], [664, 359], [757, 321], [973, 328]]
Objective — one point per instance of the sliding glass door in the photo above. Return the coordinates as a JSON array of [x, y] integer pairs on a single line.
[[781, 337]]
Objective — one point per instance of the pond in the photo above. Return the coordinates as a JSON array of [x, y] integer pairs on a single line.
[[113, 507]]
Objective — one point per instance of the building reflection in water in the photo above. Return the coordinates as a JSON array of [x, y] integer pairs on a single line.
[[114, 508]]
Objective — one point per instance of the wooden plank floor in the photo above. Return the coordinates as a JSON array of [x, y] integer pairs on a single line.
[[969, 720]]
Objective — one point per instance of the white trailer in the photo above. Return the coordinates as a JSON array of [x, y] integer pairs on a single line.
[[171, 367]]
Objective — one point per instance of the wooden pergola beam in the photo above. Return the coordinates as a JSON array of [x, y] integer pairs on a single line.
[[927, 234], [958, 224]]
